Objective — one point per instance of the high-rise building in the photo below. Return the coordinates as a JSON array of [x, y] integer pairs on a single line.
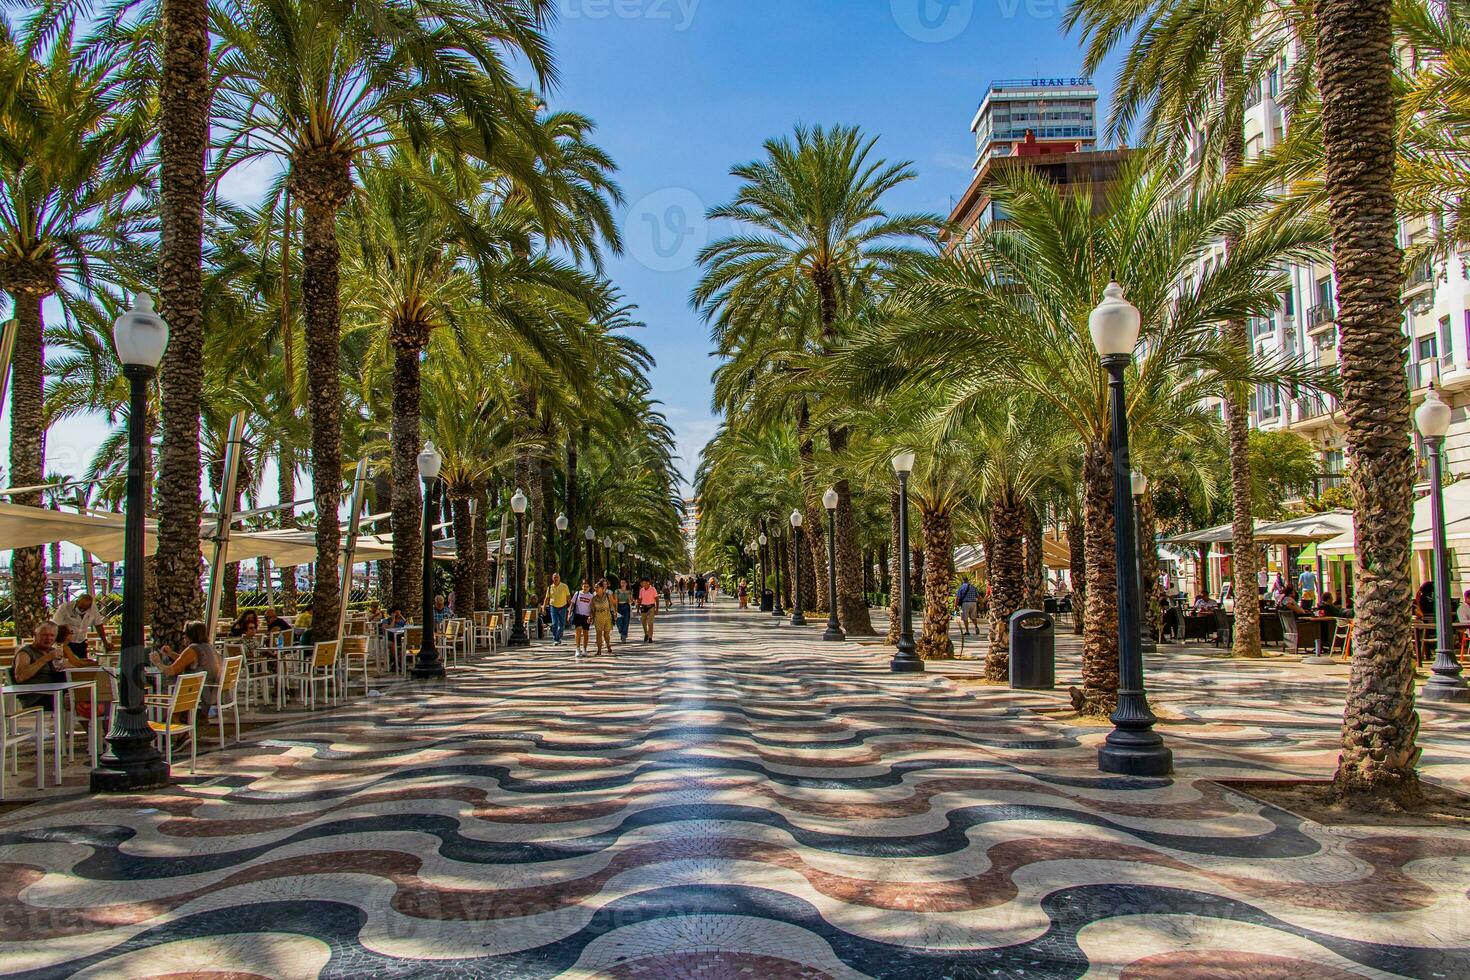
[[1049, 115]]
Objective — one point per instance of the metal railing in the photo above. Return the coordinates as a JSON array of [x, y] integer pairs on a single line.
[[1321, 315]]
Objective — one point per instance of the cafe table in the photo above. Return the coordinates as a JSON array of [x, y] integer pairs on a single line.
[[56, 690]]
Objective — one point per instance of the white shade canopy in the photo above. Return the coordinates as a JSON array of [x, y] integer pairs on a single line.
[[829, 499], [1114, 323], [140, 335]]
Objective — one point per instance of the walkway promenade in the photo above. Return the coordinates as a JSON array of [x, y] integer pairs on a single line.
[[740, 799]]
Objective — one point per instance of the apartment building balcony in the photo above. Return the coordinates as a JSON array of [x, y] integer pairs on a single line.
[[1420, 277], [1321, 317], [1422, 374], [1311, 413]]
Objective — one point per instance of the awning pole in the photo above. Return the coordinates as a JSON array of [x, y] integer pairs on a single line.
[[223, 521], [7, 347], [349, 545], [87, 572]]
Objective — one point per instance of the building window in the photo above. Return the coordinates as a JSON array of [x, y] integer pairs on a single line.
[[1288, 300], [1324, 291], [1446, 343]]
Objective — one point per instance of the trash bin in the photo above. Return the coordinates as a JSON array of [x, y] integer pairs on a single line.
[[768, 601], [1033, 651]]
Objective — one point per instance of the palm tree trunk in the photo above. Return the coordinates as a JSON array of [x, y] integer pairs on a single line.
[[1148, 560], [1077, 562], [546, 492], [934, 641], [407, 440], [322, 183], [574, 488], [482, 542], [184, 96], [852, 605], [464, 561], [813, 512], [28, 451], [1035, 556], [1355, 64], [1005, 565], [895, 573], [286, 490], [1099, 693]]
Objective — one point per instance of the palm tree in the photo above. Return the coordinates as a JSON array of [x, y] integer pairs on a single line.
[[327, 87], [1013, 309], [1355, 65], [67, 149], [1189, 70], [813, 205]]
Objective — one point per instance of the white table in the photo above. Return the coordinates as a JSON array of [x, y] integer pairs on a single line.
[[56, 690]]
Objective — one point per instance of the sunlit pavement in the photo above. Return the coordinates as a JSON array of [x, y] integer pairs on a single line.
[[741, 799]]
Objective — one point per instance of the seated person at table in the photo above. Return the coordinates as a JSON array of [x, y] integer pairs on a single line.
[[64, 639], [1289, 604], [1204, 604], [247, 626], [303, 623], [198, 655], [273, 622], [41, 661], [1424, 602], [1464, 610], [441, 611], [395, 619], [1327, 606]]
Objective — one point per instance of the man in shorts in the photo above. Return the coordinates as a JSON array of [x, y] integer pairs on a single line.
[[968, 600]]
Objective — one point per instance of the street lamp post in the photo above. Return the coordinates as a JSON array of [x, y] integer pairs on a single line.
[[765, 553], [776, 611], [1132, 748], [1447, 682], [906, 658], [591, 535], [518, 635], [1139, 484], [622, 560], [132, 761], [429, 665], [606, 555], [798, 618], [833, 633]]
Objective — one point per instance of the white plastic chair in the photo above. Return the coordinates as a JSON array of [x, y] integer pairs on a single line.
[[227, 695], [355, 659], [21, 725]]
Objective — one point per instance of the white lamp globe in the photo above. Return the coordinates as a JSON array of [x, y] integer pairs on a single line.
[[1140, 483], [1114, 323], [561, 522], [762, 539], [590, 534], [1433, 417], [429, 462], [829, 499], [796, 518], [607, 542], [903, 463], [140, 335], [518, 501]]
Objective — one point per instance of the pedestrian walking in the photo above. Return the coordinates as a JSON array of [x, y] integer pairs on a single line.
[[582, 616], [968, 600], [558, 597], [602, 617], [647, 608], [701, 592], [624, 597], [742, 593], [668, 593]]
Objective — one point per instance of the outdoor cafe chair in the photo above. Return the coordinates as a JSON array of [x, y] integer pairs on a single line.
[[320, 671], [482, 634], [413, 638], [355, 661], [1342, 640], [21, 725], [80, 711], [227, 697], [178, 713]]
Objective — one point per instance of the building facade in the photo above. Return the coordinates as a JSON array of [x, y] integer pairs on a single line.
[[1059, 114]]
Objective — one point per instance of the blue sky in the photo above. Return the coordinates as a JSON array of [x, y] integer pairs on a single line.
[[683, 89]]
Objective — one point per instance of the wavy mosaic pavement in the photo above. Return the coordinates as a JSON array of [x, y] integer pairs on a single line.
[[737, 800]]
